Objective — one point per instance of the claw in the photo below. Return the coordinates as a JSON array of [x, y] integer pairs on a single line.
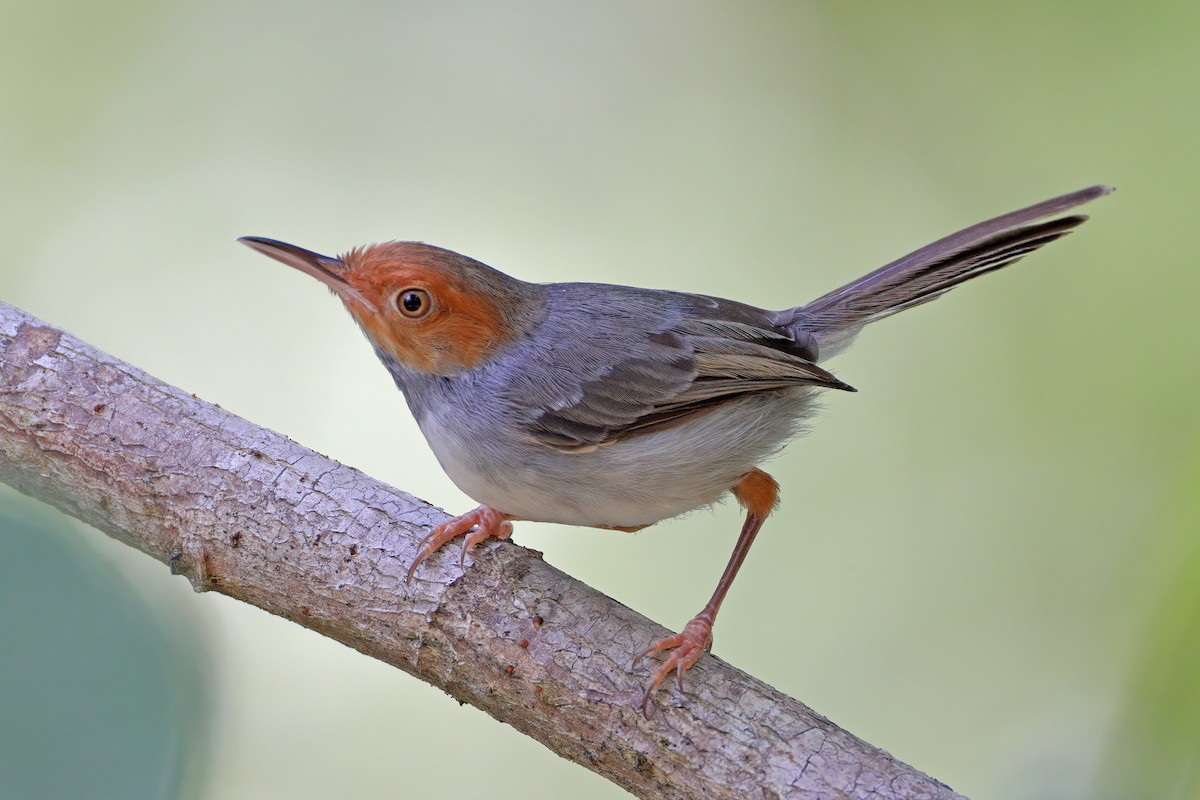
[[501, 530], [487, 522], [688, 646]]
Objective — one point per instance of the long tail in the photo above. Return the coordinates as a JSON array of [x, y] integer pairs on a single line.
[[926, 274]]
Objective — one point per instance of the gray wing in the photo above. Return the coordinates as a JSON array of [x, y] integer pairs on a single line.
[[616, 362]]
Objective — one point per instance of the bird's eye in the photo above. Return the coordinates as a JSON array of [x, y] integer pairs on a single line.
[[413, 303]]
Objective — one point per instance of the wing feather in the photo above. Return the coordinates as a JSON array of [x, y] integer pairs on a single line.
[[658, 364]]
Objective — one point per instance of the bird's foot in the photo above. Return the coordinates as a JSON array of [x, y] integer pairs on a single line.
[[487, 523], [687, 646]]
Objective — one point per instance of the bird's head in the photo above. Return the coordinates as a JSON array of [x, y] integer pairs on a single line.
[[431, 309]]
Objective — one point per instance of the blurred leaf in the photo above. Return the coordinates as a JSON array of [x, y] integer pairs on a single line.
[[99, 699]]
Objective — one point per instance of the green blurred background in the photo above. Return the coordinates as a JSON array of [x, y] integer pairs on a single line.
[[986, 561]]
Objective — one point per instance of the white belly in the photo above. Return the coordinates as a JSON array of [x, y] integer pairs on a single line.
[[637, 481]]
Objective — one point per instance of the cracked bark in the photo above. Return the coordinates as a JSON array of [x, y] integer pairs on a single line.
[[244, 511]]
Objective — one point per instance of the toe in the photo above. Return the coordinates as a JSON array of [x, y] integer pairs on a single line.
[[686, 648], [657, 646], [486, 521]]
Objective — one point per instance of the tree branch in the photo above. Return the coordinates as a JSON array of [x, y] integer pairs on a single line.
[[247, 512]]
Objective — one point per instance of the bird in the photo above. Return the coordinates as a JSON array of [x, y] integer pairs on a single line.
[[617, 407]]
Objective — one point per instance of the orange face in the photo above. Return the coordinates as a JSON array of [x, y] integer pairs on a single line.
[[420, 309], [432, 310]]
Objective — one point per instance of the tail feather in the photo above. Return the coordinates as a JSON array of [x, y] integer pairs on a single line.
[[926, 274], [934, 280]]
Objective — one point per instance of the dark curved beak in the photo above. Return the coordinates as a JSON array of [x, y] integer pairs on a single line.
[[326, 269]]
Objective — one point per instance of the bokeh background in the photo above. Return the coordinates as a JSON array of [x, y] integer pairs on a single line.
[[987, 560]]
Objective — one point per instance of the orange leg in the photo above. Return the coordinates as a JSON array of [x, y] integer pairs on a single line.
[[758, 493], [486, 521]]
